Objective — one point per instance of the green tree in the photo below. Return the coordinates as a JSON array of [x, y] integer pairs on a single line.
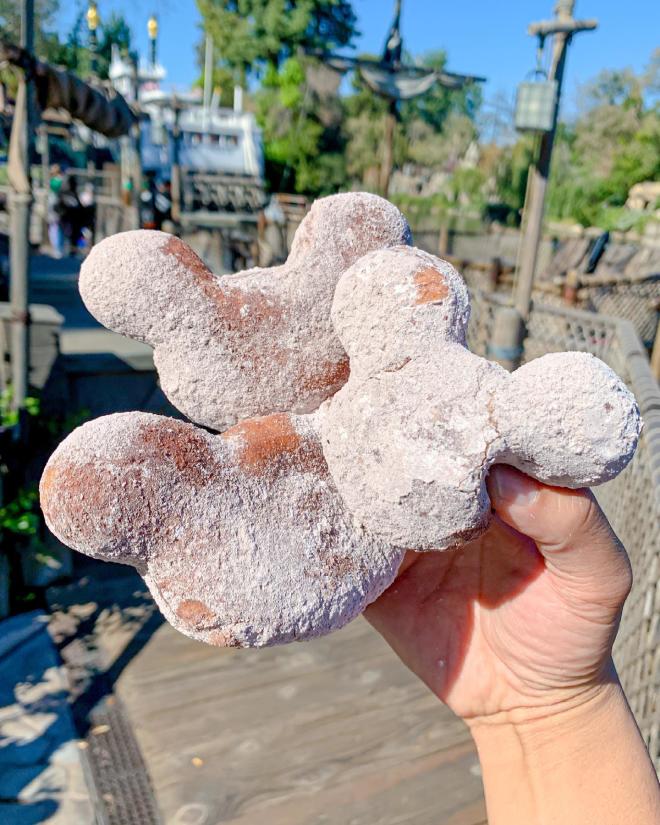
[[364, 126], [303, 144], [612, 144], [267, 40], [114, 31], [251, 35], [433, 130], [45, 15], [72, 52]]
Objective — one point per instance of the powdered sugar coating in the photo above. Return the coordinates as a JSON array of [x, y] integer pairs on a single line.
[[568, 419], [272, 532], [410, 438], [242, 538], [384, 314], [252, 343]]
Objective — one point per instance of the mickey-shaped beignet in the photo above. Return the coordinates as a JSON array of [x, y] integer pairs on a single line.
[[411, 436], [260, 341], [241, 537], [286, 526]]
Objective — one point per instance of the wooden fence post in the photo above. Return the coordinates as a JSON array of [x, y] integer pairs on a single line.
[[506, 345]]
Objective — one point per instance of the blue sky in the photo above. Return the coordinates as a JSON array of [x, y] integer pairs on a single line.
[[482, 37]]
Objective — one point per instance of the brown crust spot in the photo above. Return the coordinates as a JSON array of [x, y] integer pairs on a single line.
[[271, 443], [222, 638], [89, 486], [180, 444], [48, 479], [87, 503], [188, 259], [263, 440], [431, 286], [195, 613], [330, 375], [236, 309]]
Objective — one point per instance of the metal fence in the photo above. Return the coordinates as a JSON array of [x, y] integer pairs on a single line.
[[631, 501]]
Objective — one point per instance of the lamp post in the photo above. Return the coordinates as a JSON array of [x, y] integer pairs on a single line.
[[92, 26], [152, 31]]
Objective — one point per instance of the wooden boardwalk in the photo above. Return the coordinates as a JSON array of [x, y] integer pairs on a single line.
[[334, 731], [330, 732]]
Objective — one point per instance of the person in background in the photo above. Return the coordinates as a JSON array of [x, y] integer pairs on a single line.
[[88, 215], [148, 218], [71, 213], [162, 203], [54, 212]]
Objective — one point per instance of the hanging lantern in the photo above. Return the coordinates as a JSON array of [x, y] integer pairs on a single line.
[[536, 102]]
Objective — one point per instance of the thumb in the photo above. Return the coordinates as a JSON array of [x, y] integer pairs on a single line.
[[569, 529]]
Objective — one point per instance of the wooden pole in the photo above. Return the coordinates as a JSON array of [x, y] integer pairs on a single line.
[[20, 209], [563, 27], [388, 149]]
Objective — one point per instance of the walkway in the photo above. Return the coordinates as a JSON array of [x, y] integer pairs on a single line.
[[55, 282], [334, 731]]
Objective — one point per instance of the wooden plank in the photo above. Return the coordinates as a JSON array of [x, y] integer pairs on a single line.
[[331, 731]]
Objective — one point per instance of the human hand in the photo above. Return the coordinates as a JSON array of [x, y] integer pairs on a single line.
[[519, 623]]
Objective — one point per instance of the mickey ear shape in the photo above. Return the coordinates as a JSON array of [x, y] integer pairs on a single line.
[[242, 537], [237, 346], [394, 304], [108, 487], [342, 228], [567, 419]]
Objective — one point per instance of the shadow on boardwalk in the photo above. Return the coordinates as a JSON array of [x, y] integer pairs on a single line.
[[100, 624], [335, 730]]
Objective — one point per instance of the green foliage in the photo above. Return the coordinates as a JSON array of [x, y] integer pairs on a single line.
[[45, 15], [114, 30], [266, 39], [420, 209], [467, 184], [252, 35], [613, 144], [303, 149], [440, 149], [609, 149], [511, 174], [9, 415], [72, 52], [22, 516], [433, 130]]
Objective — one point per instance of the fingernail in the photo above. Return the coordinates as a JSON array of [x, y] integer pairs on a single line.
[[512, 487]]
